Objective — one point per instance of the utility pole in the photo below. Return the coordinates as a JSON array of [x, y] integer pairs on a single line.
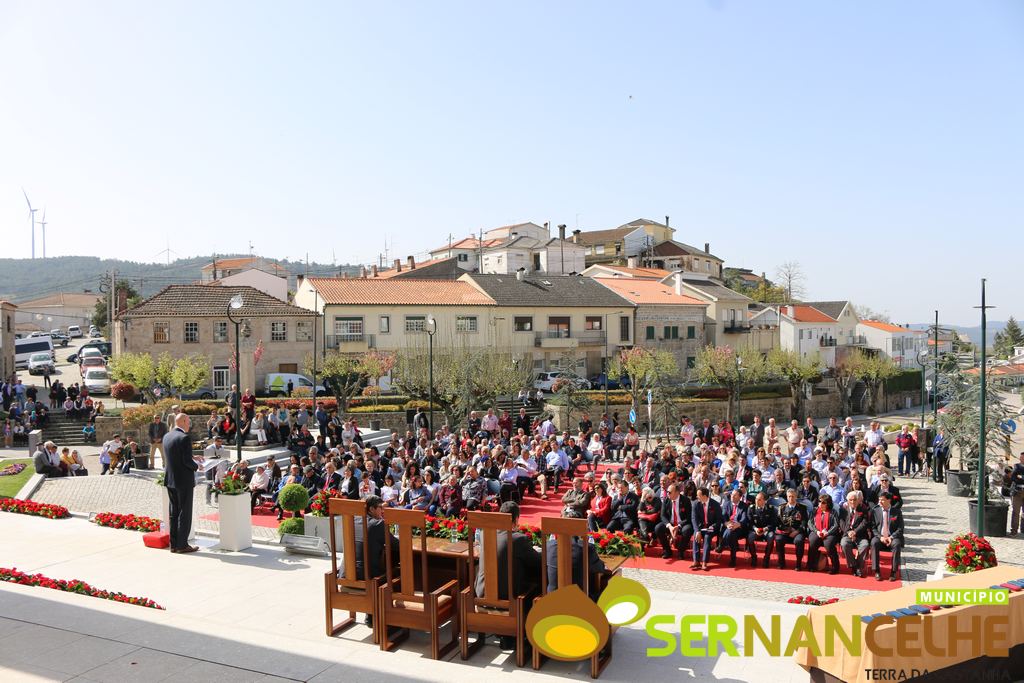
[[982, 468], [110, 306]]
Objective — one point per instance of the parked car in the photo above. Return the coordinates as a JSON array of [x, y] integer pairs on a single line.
[[60, 339], [95, 334], [203, 393], [97, 380], [545, 380], [39, 363], [277, 384], [597, 382], [91, 362], [102, 346], [74, 331]]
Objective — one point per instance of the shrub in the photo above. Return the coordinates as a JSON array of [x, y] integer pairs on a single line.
[[293, 525], [383, 400], [371, 390], [908, 380], [133, 418], [417, 403], [296, 403], [891, 428], [377, 409], [122, 391], [293, 497], [199, 407], [302, 391]]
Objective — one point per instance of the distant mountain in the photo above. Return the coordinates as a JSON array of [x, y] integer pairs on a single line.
[[30, 278], [973, 333]]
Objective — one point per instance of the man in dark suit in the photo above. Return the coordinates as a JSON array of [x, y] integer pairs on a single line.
[[855, 529], [180, 479], [887, 524], [757, 432], [735, 527], [705, 432], [375, 528], [707, 524], [762, 519], [885, 485], [595, 565], [624, 510], [792, 529], [675, 528]]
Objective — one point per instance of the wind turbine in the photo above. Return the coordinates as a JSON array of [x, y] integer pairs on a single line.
[[32, 214], [43, 224], [167, 251]]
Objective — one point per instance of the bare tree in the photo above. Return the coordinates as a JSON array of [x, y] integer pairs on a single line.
[[867, 313], [791, 278]]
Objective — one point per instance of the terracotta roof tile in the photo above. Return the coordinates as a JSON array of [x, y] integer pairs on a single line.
[[648, 292], [395, 292], [889, 327], [204, 300], [809, 314]]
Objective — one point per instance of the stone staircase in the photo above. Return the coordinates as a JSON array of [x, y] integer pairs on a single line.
[[859, 398], [64, 431]]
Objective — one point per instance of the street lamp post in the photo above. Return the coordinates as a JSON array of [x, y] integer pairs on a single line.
[[935, 372], [235, 304], [316, 306], [739, 390], [982, 469], [431, 329], [922, 360]]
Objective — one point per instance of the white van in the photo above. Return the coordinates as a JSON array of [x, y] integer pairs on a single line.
[[25, 348], [277, 384], [74, 331]]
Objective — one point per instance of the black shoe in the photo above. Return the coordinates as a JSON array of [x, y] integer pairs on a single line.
[[507, 643], [833, 571], [765, 563], [856, 572], [878, 576], [782, 565], [368, 620], [666, 556], [894, 576], [799, 568], [732, 562]]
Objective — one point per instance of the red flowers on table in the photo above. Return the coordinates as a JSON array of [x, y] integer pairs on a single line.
[[28, 507], [130, 522], [808, 600], [71, 586], [617, 543], [446, 527], [968, 553]]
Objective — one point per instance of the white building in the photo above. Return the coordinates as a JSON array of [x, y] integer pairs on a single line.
[[268, 283], [902, 344]]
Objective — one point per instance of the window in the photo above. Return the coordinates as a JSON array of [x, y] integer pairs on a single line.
[[523, 323], [691, 362], [415, 323], [623, 328], [192, 333], [691, 332], [593, 322], [465, 323], [558, 326], [304, 331], [462, 258], [385, 324], [348, 329], [279, 331], [650, 333], [161, 333], [599, 249], [220, 332], [671, 332]]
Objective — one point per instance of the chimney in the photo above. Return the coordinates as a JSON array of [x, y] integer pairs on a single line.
[[373, 270], [561, 232], [520, 274], [631, 262], [122, 300], [362, 272], [679, 284], [547, 228], [398, 265], [707, 247], [412, 262], [763, 278], [299, 280], [790, 311], [576, 236], [514, 235], [666, 221]]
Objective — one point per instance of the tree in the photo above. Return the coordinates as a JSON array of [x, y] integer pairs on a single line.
[[99, 314], [343, 373], [646, 369], [189, 373], [566, 390], [791, 278], [798, 370], [730, 369], [847, 371], [866, 313], [178, 375], [377, 364], [1009, 337], [137, 369], [875, 370]]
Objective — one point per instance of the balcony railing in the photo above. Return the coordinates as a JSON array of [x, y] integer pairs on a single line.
[[736, 327], [568, 338], [350, 341], [855, 340], [827, 341]]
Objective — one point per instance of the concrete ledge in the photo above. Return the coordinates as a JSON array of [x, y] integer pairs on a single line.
[[31, 486]]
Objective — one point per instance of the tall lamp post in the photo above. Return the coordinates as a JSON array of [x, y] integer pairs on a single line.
[[935, 372], [739, 390], [982, 469], [235, 304], [316, 306], [431, 329], [922, 360]]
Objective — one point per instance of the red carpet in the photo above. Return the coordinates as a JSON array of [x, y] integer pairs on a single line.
[[533, 508], [268, 521]]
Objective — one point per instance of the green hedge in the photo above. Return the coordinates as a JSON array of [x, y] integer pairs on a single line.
[[907, 380], [378, 409], [292, 525]]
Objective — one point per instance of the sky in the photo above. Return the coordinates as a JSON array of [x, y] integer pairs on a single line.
[[878, 144]]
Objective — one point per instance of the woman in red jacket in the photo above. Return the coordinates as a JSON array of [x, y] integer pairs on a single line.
[[600, 512]]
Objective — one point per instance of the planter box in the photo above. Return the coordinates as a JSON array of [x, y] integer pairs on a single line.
[[165, 513], [235, 522], [995, 518], [321, 528], [958, 483]]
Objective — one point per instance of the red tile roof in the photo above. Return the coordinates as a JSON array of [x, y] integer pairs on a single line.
[[889, 327], [809, 314], [467, 243], [641, 291], [389, 292]]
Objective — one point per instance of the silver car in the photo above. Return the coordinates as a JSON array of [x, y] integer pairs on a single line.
[[40, 364]]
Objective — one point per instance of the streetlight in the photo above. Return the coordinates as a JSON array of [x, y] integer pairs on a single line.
[[935, 372], [922, 360], [739, 390], [604, 358], [431, 328], [982, 468], [235, 304]]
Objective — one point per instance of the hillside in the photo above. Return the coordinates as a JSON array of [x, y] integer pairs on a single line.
[[27, 278], [974, 333]]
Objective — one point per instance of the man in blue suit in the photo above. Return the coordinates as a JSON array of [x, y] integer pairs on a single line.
[[735, 526], [707, 524]]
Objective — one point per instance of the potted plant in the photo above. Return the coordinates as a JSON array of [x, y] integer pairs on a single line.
[[317, 522], [235, 518], [294, 498]]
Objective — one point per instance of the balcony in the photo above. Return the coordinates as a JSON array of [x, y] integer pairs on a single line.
[[564, 339], [826, 341], [350, 343], [854, 340], [736, 327]]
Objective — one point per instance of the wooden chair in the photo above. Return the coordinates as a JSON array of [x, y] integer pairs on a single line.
[[564, 530], [350, 593], [491, 613], [401, 604]]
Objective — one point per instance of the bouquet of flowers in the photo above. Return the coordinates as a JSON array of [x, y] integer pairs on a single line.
[[617, 543], [231, 485], [28, 507], [318, 506], [808, 600], [130, 522], [71, 586], [969, 553], [446, 527], [532, 531]]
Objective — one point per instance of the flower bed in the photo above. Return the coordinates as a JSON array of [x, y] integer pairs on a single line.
[[12, 470], [28, 507], [808, 600], [130, 522], [969, 553], [73, 586]]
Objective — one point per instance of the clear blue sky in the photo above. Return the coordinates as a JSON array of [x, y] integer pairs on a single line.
[[862, 139]]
